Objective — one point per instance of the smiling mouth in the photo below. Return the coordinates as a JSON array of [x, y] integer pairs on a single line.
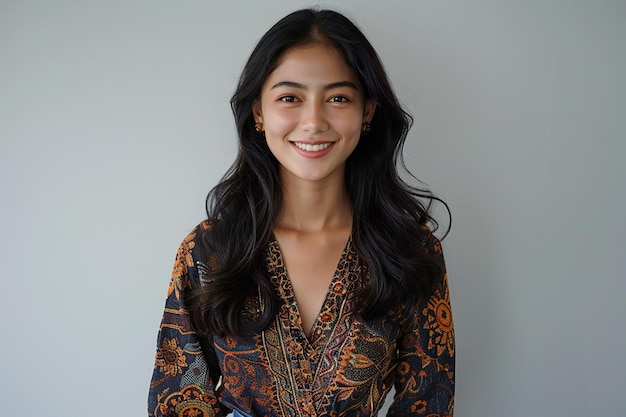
[[312, 148]]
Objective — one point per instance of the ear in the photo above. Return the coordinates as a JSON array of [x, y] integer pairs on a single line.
[[257, 114], [368, 111]]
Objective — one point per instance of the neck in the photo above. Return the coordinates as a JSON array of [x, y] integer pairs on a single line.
[[315, 206]]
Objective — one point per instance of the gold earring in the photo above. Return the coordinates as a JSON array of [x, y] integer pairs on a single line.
[[366, 127], [258, 126]]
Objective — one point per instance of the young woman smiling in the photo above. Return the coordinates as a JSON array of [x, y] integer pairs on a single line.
[[315, 285]]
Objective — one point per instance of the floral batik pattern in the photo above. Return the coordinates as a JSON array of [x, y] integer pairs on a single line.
[[344, 367], [181, 384]]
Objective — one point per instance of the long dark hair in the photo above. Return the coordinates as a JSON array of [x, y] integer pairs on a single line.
[[388, 218]]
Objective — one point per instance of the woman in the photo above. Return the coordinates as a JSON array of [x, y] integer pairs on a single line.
[[315, 286]]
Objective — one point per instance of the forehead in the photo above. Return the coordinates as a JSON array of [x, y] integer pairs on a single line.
[[317, 63]]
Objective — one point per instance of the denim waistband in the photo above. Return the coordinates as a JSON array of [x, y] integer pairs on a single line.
[[240, 414]]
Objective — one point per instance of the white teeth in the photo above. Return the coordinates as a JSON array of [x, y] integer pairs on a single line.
[[312, 148]]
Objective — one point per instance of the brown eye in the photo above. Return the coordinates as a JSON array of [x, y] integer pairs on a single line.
[[339, 99], [287, 99]]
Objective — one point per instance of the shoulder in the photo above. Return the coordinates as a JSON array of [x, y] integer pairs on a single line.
[[433, 262], [194, 259], [198, 232], [195, 240], [429, 242]]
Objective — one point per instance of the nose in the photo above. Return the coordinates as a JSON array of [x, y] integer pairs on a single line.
[[313, 117]]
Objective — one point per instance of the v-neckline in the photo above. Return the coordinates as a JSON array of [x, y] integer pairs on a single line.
[[336, 288]]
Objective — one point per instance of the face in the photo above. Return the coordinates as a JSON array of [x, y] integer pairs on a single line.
[[312, 108]]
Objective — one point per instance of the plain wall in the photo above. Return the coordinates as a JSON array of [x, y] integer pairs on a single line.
[[115, 122]]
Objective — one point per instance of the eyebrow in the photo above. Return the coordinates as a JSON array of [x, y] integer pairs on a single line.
[[326, 87]]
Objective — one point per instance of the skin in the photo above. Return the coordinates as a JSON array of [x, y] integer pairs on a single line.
[[312, 98]]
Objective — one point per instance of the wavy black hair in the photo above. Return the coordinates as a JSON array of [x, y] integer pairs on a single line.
[[389, 214]]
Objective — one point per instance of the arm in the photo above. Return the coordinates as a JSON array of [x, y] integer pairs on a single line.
[[425, 372], [185, 375]]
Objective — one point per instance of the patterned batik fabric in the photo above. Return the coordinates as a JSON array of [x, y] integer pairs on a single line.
[[344, 367]]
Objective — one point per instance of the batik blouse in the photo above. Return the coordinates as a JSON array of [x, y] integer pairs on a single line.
[[344, 367]]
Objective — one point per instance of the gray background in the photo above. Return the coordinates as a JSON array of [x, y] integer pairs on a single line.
[[114, 123]]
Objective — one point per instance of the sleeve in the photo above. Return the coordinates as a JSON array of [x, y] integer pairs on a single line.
[[424, 380], [184, 379]]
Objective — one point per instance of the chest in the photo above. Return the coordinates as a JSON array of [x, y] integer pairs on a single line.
[[344, 362], [309, 266]]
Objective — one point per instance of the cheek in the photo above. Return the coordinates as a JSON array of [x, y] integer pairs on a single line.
[[278, 121], [348, 126]]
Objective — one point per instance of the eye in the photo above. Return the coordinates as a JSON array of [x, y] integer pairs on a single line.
[[288, 99], [339, 99]]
